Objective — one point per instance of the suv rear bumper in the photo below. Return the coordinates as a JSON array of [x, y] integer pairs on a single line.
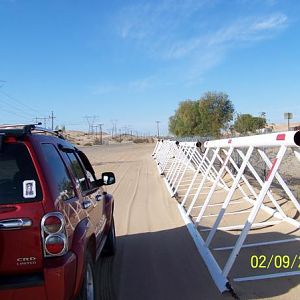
[[56, 282]]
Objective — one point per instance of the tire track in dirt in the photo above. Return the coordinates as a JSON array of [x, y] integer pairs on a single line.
[[156, 258], [132, 200], [120, 172]]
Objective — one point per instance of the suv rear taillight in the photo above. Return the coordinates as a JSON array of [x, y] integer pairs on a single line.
[[54, 237]]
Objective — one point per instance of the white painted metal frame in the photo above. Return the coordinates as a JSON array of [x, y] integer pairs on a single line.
[[175, 160]]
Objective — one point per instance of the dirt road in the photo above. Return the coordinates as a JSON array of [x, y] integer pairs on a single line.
[[156, 258]]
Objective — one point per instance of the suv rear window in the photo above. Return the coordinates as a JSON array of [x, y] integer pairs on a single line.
[[59, 174], [18, 178]]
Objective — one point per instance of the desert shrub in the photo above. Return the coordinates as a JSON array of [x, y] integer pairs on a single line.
[[140, 141]]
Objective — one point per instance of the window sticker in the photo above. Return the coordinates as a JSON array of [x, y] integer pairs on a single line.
[[29, 189]]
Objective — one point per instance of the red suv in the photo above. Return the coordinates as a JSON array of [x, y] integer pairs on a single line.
[[55, 218]]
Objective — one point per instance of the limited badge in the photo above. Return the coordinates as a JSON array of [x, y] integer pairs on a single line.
[[29, 189]]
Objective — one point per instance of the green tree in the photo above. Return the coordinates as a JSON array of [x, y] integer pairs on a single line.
[[205, 117], [216, 111], [243, 123], [258, 123], [247, 123], [60, 127], [184, 122]]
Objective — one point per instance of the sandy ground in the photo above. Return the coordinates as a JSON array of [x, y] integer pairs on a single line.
[[156, 258]]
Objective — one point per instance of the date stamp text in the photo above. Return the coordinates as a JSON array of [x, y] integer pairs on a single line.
[[275, 261]]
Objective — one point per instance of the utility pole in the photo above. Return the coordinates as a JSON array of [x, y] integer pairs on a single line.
[[96, 127], [157, 122], [91, 120], [120, 131], [114, 128], [100, 129], [288, 116], [45, 121], [52, 119]]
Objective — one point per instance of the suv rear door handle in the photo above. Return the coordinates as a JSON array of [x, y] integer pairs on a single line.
[[15, 223], [86, 204]]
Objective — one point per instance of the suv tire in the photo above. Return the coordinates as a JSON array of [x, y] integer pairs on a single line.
[[88, 288], [109, 248]]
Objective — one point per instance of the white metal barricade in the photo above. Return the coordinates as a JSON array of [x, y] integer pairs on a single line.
[[174, 160], [222, 197]]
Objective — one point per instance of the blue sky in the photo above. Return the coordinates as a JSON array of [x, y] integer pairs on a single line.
[[134, 61]]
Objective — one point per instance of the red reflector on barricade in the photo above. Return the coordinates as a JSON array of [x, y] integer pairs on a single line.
[[271, 170], [280, 137]]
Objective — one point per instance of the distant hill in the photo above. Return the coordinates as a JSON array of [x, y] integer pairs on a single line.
[[284, 126], [81, 138]]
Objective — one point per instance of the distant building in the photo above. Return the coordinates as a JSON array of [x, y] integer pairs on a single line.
[[296, 128], [265, 130]]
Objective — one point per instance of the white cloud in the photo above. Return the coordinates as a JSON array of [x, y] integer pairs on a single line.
[[272, 22], [159, 29], [104, 88], [208, 51], [150, 19], [249, 29], [259, 2], [183, 36], [139, 85], [241, 31], [136, 86]]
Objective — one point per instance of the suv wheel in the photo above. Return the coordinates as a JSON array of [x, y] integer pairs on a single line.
[[109, 248], [88, 288]]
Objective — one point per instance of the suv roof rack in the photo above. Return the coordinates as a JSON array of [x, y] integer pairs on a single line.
[[19, 130], [57, 133]]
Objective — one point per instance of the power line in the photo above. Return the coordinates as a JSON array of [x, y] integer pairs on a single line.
[[22, 111], [14, 113], [18, 101], [42, 119], [17, 105]]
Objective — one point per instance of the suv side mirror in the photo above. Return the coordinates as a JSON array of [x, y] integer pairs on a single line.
[[108, 178]]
